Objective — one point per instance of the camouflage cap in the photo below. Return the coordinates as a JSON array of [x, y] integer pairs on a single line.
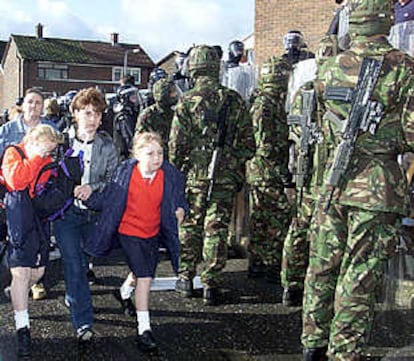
[[203, 60], [165, 92], [370, 17]]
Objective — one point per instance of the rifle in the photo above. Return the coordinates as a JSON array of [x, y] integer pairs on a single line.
[[364, 114], [218, 146], [307, 138]]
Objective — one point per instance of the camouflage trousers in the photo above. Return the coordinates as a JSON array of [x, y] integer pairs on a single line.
[[348, 247], [239, 222], [270, 216], [296, 246], [203, 235]]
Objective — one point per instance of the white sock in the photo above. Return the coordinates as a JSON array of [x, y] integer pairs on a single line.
[[143, 321], [126, 291], [90, 266], [21, 318]]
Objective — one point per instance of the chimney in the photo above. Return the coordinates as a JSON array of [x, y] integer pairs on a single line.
[[39, 31], [114, 38]]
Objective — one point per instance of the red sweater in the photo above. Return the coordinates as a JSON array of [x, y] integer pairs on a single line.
[[19, 173], [142, 216]]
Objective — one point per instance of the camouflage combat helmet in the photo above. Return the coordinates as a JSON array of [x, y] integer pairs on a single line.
[[370, 17], [204, 60], [275, 72], [165, 92]]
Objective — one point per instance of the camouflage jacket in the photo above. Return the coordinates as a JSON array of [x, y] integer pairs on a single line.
[[156, 119], [194, 133], [270, 162], [374, 180]]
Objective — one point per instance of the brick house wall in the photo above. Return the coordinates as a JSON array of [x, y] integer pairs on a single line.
[[10, 78], [13, 84], [81, 76], [94, 65], [168, 63], [274, 18]]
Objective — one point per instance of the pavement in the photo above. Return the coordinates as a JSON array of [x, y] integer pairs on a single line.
[[251, 324]]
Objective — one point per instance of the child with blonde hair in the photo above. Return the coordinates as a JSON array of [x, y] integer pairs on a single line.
[[28, 237], [142, 206]]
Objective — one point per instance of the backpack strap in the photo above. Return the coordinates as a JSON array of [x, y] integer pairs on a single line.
[[54, 166], [50, 166], [19, 150]]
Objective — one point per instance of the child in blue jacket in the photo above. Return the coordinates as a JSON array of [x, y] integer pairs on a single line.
[[141, 207], [28, 237]]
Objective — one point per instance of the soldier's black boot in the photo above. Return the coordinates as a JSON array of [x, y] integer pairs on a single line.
[[24, 343], [292, 297], [184, 287], [256, 269], [272, 274], [211, 296], [315, 354]]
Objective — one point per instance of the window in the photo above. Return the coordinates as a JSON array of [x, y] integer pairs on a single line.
[[48, 71], [117, 74]]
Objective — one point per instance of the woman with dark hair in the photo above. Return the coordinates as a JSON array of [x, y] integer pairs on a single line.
[[100, 159]]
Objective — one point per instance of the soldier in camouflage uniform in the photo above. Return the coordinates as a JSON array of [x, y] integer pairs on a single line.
[[351, 239], [209, 120], [296, 247], [267, 172], [158, 116]]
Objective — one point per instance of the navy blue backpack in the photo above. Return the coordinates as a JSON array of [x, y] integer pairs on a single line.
[[55, 196]]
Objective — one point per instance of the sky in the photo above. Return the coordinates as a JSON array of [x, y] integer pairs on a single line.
[[159, 26]]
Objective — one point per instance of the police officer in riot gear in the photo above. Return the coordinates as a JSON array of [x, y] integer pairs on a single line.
[[236, 51], [145, 96], [156, 74], [126, 112], [179, 62], [295, 46], [181, 76]]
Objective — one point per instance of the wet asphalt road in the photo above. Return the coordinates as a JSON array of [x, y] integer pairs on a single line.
[[251, 324]]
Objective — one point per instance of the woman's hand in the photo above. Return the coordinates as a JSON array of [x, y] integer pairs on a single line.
[[83, 192], [180, 214]]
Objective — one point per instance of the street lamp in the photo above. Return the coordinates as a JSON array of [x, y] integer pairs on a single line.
[[136, 50]]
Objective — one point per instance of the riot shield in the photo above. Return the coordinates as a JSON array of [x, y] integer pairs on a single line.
[[243, 79], [402, 37]]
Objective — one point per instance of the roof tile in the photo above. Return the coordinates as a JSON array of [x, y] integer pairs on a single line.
[[79, 51]]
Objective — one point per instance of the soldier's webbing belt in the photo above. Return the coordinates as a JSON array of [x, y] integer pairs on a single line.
[[341, 93]]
